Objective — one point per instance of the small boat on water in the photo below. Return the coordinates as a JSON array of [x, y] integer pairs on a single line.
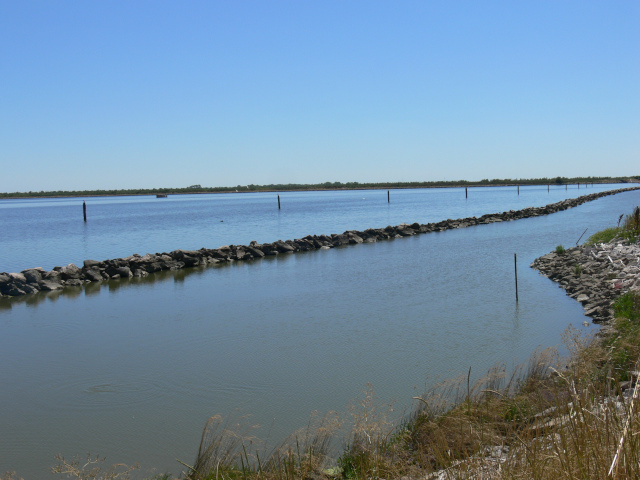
[[161, 195]]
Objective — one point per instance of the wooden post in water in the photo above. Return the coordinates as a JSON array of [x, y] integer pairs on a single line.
[[84, 210], [578, 185], [278, 202], [518, 189], [466, 194], [388, 197], [547, 188], [585, 231], [565, 186], [515, 264]]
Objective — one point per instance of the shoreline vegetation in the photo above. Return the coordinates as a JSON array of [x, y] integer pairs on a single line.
[[553, 418], [198, 189], [36, 280]]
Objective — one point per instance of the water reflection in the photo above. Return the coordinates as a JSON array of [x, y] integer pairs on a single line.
[[114, 285], [72, 292], [92, 288]]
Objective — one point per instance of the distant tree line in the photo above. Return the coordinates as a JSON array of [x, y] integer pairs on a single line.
[[323, 186]]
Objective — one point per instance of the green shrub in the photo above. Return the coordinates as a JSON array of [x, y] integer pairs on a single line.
[[560, 250]]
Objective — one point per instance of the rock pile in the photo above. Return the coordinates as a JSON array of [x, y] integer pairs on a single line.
[[33, 280], [594, 275]]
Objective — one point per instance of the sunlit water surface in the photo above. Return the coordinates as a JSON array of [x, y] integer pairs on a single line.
[[131, 370]]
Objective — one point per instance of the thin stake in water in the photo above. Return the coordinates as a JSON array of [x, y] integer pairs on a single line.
[[278, 202], [84, 210], [515, 264]]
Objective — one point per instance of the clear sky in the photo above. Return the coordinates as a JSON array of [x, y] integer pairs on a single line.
[[146, 94]]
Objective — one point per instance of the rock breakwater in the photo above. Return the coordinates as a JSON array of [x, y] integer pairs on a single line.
[[34, 280], [594, 275]]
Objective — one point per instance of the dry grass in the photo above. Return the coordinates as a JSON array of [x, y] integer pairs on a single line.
[[91, 468], [10, 476], [230, 450], [374, 446]]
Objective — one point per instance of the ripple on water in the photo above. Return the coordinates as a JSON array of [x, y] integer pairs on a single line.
[[88, 394]]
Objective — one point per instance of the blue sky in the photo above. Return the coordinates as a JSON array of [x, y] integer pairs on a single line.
[[146, 94]]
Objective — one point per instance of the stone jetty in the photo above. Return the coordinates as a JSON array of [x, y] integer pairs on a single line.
[[594, 275], [34, 280]]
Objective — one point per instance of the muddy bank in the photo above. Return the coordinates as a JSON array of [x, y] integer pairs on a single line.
[[33, 280]]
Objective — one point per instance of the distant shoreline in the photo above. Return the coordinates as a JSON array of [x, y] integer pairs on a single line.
[[327, 186]]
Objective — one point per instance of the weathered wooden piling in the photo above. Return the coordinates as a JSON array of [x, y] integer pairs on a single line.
[[518, 189], [466, 194], [547, 188], [278, 202], [388, 197], [84, 210], [515, 264]]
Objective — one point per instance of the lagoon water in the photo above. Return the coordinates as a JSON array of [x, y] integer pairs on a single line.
[[131, 370]]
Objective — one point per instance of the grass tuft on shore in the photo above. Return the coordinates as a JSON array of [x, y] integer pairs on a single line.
[[628, 229], [603, 236]]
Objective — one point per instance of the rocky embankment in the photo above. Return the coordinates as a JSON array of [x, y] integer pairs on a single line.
[[594, 275], [34, 280]]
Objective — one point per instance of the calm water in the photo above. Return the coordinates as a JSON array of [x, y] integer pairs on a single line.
[[132, 370], [49, 232]]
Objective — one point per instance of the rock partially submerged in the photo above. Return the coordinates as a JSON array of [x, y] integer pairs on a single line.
[[34, 280]]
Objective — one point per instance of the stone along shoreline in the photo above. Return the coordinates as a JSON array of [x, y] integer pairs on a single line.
[[594, 275], [34, 280]]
